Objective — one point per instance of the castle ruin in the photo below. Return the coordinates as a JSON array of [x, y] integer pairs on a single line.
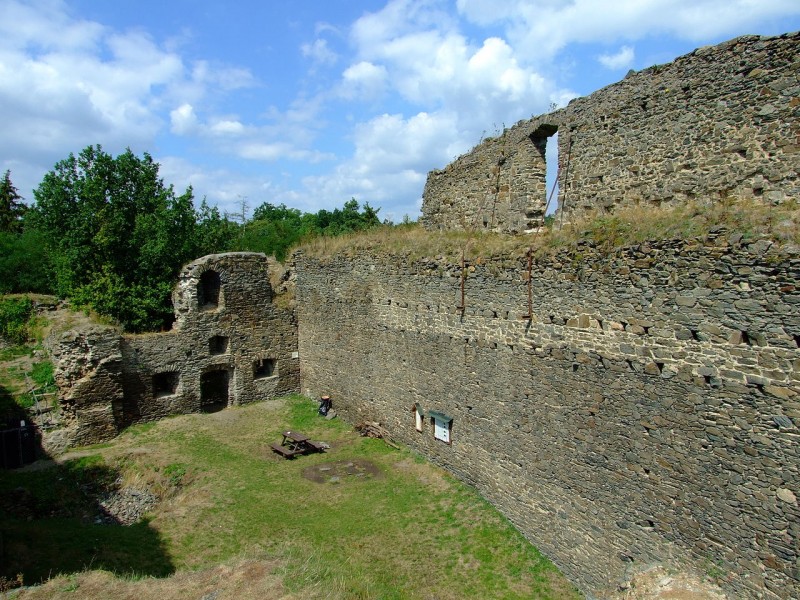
[[230, 345], [643, 411]]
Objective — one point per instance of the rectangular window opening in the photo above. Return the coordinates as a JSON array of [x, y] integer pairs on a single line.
[[419, 417], [218, 345], [264, 368], [165, 384], [551, 175]]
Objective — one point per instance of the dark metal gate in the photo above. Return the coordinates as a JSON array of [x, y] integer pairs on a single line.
[[17, 446]]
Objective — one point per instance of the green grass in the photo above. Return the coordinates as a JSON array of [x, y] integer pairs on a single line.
[[42, 375], [13, 352], [411, 531]]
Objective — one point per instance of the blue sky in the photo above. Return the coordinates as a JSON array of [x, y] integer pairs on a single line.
[[312, 102]]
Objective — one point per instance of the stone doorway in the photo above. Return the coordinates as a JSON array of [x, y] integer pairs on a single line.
[[214, 390]]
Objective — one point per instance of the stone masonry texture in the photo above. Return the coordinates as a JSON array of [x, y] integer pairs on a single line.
[[720, 122], [109, 381], [647, 413]]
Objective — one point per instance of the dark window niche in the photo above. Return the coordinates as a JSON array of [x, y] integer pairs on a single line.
[[208, 291], [165, 384], [264, 368], [218, 344]]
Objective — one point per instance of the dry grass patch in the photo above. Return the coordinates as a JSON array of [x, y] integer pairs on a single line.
[[608, 231], [241, 579]]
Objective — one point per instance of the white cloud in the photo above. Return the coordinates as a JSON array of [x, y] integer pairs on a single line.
[[539, 29], [390, 165], [263, 151], [623, 59], [363, 80], [183, 120], [30, 25], [399, 20], [227, 127], [486, 12], [221, 187], [441, 70], [277, 150], [66, 83], [389, 143], [319, 52]]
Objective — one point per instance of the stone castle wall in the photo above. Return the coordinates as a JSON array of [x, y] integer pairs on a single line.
[[230, 345], [647, 413], [719, 122], [88, 373]]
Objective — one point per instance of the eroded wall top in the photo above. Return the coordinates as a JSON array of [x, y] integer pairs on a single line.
[[720, 122]]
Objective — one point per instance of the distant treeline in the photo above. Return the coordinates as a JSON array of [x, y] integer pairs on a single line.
[[108, 234]]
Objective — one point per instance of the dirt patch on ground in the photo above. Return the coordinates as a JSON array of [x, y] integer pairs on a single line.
[[425, 473], [342, 471], [658, 584]]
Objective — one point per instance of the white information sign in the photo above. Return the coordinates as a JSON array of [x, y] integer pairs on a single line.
[[441, 430]]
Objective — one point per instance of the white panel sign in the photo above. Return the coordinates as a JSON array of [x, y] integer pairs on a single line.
[[441, 430]]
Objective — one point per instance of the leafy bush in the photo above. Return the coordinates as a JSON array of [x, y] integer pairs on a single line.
[[15, 312]]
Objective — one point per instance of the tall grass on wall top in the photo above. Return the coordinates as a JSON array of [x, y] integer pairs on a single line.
[[638, 224], [608, 231]]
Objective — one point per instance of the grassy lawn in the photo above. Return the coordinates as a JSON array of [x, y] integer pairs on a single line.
[[362, 520]]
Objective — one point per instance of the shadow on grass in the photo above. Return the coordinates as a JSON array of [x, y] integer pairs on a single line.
[[10, 411], [53, 521]]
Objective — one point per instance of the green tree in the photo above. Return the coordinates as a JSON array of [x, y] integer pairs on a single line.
[[25, 263], [118, 236], [14, 316], [11, 207], [347, 220], [274, 229], [215, 233]]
